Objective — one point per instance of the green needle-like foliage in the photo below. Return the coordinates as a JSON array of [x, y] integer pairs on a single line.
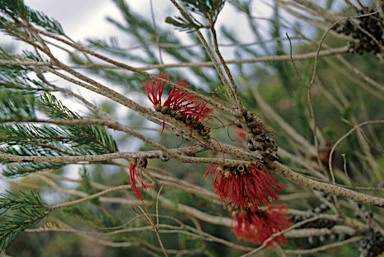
[[55, 109], [20, 169], [17, 105], [49, 24], [209, 9], [93, 137], [184, 24], [15, 77], [26, 210], [30, 140], [20, 134], [206, 8], [16, 10]]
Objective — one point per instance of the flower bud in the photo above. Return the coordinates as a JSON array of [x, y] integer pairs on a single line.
[[142, 162]]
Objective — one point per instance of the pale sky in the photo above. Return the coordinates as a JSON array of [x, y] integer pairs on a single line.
[[80, 19]]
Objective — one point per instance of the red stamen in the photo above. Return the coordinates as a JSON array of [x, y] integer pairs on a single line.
[[162, 130], [132, 176], [182, 138], [258, 225], [155, 91], [178, 102], [219, 146], [213, 167], [246, 188]]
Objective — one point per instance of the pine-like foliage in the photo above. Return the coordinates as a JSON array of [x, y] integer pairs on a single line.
[[16, 77], [31, 140], [17, 10], [209, 9], [16, 104], [27, 210], [91, 137]]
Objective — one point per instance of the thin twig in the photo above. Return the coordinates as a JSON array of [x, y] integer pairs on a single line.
[[342, 138], [156, 33], [157, 206]]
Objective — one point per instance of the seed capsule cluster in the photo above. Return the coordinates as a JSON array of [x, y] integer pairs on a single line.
[[366, 214], [319, 223], [324, 238], [192, 122], [365, 43], [372, 244], [266, 145]]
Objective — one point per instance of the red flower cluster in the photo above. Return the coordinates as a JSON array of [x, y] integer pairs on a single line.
[[178, 103], [258, 225], [132, 176], [245, 186]]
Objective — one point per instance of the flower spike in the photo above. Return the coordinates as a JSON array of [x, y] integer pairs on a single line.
[[180, 105], [177, 101], [258, 225], [245, 186]]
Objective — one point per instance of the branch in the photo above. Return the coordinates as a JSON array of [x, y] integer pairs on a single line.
[[136, 70], [324, 187], [333, 51], [211, 145], [322, 248]]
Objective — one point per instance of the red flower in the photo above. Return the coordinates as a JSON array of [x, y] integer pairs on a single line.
[[155, 91], [245, 186], [187, 105], [176, 97], [132, 175], [177, 101], [258, 225], [197, 111]]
